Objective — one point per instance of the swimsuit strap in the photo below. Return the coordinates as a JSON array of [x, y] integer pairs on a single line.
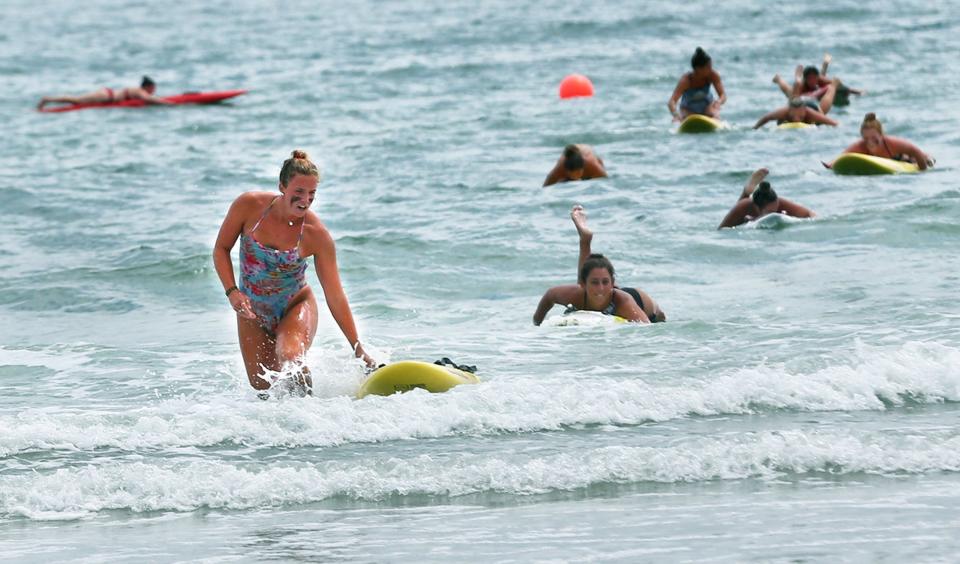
[[300, 238], [265, 212], [885, 146]]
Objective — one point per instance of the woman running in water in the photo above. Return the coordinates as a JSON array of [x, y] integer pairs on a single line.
[[693, 89], [276, 309], [105, 95], [596, 289], [759, 199], [874, 142]]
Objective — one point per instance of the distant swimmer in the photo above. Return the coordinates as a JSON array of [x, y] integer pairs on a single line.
[[693, 89], [276, 308], [578, 162], [106, 95], [815, 89], [795, 111], [874, 142], [596, 289], [759, 199]]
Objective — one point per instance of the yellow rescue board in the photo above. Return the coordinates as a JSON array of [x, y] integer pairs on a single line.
[[407, 375], [795, 125], [859, 164], [697, 123]]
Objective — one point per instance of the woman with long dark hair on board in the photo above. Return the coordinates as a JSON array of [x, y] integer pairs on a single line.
[[276, 308], [693, 89], [107, 95], [596, 288], [758, 199], [874, 142]]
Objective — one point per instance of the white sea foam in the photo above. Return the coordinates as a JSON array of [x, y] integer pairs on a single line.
[[916, 372], [189, 485]]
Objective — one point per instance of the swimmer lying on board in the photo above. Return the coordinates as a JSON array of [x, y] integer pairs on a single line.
[[596, 289], [796, 111], [759, 199], [105, 95], [874, 142], [815, 89], [578, 162]]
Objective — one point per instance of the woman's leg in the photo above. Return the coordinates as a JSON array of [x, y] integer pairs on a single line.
[[579, 217], [258, 350], [827, 101], [295, 334], [784, 87], [102, 95]]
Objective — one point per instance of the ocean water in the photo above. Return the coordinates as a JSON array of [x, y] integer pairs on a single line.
[[802, 404]]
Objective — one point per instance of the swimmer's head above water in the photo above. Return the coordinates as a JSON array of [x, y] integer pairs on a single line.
[[765, 198], [572, 162], [700, 59], [811, 78], [597, 277], [148, 84], [871, 130], [298, 184]]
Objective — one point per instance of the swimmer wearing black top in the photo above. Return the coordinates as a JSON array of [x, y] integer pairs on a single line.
[[596, 289]]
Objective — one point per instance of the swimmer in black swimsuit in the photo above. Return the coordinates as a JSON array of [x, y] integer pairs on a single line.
[[596, 289]]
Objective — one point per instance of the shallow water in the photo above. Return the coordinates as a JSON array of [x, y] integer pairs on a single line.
[[801, 404]]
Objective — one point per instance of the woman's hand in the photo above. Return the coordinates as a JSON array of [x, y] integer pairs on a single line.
[[362, 355], [241, 304]]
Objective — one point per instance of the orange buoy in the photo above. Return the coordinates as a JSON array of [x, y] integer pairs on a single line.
[[575, 86]]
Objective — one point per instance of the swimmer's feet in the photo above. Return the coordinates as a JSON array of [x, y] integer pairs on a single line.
[[827, 58], [43, 102], [755, 179], [579, 217], [776, 79]]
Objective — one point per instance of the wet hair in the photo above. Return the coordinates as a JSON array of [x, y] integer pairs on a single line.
[[810, 70], [595, 261], [298, 163], [700, 58], [572, 158], [870, 121], [764, 194], [147, 82], [796, 102]]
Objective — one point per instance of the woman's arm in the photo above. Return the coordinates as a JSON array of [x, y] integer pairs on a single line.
[[777, 114], [627, 307], [737, 214], [555, 175], [818, 117], [682, 86], [718, 86], [904, 146], [794, 209], [141, 94], [547, 302], [230, 230], [325, 261]]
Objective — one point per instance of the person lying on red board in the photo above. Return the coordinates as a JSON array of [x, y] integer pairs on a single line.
[[108, 95]]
